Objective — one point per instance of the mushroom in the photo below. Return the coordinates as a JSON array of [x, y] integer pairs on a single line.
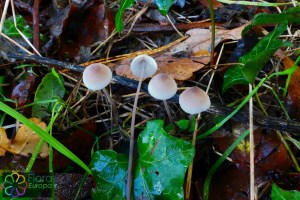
[[163, 87], [142, 66], [193, 101], [96, 76]]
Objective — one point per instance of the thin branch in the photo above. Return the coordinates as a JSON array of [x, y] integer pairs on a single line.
[[290, 126]]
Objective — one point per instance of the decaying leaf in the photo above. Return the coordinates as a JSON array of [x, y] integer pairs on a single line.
[[25, 141], [178, 68], [293, 89], [4, 142], [200, 39], [182, 60]]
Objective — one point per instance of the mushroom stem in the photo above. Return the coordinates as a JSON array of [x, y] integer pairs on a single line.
[[115, 114], [168, 111], [190, 170], [130, 161]]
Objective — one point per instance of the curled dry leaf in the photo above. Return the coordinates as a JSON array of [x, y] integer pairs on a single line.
[[25, 141], [182, 60]]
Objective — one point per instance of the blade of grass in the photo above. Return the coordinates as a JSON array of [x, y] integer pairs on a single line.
[[289, 72], [217, 164], [44, 135]]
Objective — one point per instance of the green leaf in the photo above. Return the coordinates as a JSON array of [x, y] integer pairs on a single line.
[[10, 30], [2, 79], [164, 5], [254, 61], [163, 160], [279, 194], [292, 15], [232, 77], [110, 171], [185, 124], [50, 88], [159, 170], [119, 17]]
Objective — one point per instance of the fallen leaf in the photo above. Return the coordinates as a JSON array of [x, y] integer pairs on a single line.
[[200, 39], [4, 142], [26, 140], [178, 68], [196, 51], [215, 4], [270, 153], [23, 91], [293, 89]]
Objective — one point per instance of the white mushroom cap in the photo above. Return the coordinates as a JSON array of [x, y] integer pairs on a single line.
[[162, 86], [143, 62], [194, 100], [96, 76]]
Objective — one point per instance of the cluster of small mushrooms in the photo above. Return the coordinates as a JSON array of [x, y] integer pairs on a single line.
[[162, 86]]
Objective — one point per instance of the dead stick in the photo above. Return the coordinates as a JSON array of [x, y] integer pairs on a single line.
[[36, 24], [290, 126]]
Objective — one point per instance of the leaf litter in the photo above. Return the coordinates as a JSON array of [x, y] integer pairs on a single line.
[[196, 46], [181, 61], [25, 141]]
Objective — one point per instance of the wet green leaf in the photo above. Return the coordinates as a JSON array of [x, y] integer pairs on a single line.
[[10, 30], [164, 5], [125, 4], [291, 15], [159, 170], [279, 194], [233, 76], [254, 61], [51, 87], [163, 160], [110, 171]]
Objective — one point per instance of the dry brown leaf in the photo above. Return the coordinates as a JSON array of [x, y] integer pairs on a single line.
[[215, 3], [4, 142], [200, 39], [178, 68], [26, 140], [196, 47]]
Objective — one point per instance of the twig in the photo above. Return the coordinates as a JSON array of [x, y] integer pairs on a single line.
[[217, 109], [36, 24], [213, 31]]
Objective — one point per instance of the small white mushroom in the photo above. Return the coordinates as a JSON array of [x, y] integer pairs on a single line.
[[163, 87], [96, 76], [143, 66], [194, 100]]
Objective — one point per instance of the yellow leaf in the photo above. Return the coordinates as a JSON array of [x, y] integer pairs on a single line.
[[4, 142], [26, 140]]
